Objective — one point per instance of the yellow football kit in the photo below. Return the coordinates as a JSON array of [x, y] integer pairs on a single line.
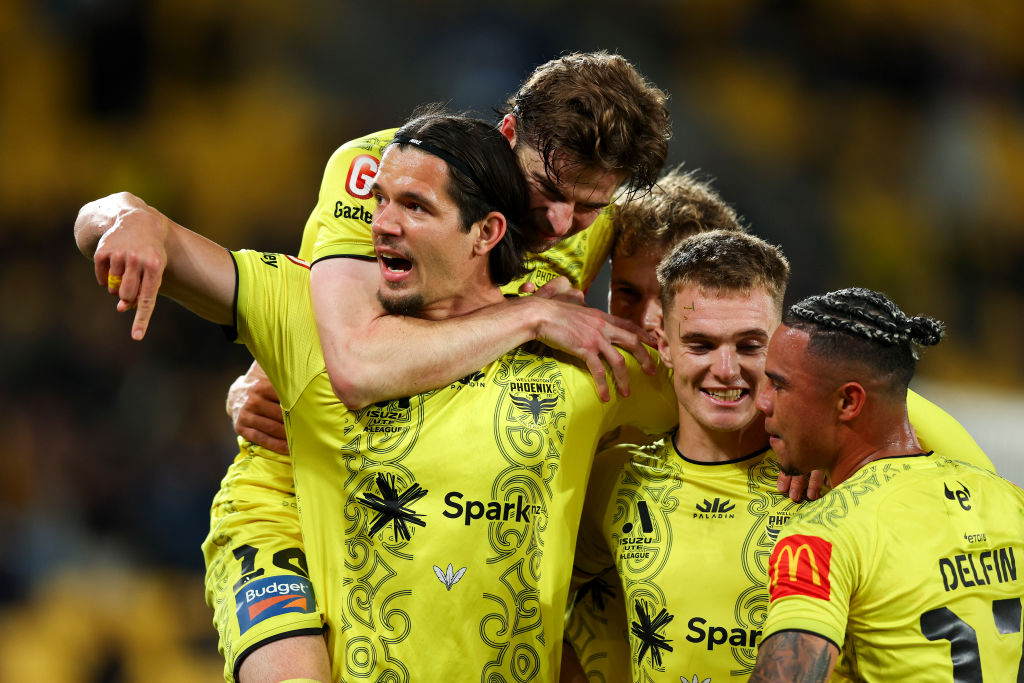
[[244, 516], [438, 530], [913, 568], [689, 542]]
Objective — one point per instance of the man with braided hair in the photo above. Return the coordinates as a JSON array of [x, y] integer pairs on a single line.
[[856, 572]]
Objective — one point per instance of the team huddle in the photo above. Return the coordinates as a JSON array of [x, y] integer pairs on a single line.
[[450, 468]]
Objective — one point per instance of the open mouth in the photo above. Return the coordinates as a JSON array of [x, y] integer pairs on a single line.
[[396, 264]]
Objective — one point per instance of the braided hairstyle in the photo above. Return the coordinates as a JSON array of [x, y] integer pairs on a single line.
[[865, 327]]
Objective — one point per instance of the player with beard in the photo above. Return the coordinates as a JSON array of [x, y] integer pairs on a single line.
[[909, 565], [438, 533], [687, 524]]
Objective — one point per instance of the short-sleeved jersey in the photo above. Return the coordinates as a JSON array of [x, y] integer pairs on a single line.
[[913, 568], [340, 222], [438, 529], [597, 620], [690, 542]]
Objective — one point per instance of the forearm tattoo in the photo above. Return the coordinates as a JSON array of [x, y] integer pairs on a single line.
[[795, 656]]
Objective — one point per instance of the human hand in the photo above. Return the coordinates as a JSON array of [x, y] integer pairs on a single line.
[[802, 487], [592, 335], [255, 410], [130, 259], [559, 289]]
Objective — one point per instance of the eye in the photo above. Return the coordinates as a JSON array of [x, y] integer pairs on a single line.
[[700, 347], [626, 293], [750, 348]]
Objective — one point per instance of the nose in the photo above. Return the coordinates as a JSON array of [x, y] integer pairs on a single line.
[[560, 216], [765, 399], [383, 221], [651, 318], [726, 366]]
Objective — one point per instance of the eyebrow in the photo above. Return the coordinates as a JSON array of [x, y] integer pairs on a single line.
[[753, 332], [553, 188], [406, 196]]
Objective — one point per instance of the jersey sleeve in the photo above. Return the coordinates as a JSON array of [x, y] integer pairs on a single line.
[[812, 572], [274, 319], [257, 580], [651, 405], [340, 223], [937, 430]]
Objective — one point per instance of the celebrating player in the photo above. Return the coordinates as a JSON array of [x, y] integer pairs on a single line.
[[687, 524], [437, 534], [908, 566]]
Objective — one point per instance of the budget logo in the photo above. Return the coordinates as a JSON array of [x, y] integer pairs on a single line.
[[799, 566], [360, 176], [271, 596]]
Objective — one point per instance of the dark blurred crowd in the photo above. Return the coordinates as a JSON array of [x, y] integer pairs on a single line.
[[881, 143]]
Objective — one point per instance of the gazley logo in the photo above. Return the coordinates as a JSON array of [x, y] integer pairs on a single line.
[[361, 173], [272, 596], [799, 566]]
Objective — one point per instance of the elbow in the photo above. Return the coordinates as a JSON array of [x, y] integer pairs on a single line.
[[350, 389]]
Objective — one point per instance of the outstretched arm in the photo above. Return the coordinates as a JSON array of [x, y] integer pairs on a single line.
[[373, 356], [795, 657], [138, 252]]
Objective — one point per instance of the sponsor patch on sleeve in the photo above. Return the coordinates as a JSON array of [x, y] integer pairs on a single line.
[[799, 566], [270, 596], [361, 173]]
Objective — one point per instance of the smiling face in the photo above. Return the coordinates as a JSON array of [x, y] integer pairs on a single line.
[[427, 263], [716, 345], [799, 415]]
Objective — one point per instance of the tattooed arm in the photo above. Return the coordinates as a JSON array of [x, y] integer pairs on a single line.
[[795, 656]]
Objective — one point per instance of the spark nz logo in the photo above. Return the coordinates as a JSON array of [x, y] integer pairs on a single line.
[[716, 509], [494, 510], [451, 577], [649, 632], [392, 507]]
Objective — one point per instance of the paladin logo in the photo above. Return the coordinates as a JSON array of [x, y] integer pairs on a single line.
[[961, 495], [474, 379], [716, 509], [392, 507], [648, 632]]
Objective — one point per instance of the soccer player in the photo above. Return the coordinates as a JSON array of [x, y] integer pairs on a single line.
[[584, 127], [646, 229], [687, 524], [909, 565], [438, 528]]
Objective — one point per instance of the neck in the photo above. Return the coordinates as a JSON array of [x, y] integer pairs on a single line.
[[858, 451], [701, 444], [471, 297]]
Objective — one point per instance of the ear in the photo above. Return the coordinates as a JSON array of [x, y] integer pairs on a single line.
[[663, 350], [850, 401], [490, 231], [508, 129]]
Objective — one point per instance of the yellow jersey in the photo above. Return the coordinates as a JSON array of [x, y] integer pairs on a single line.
[[439, 529], [910, 567]]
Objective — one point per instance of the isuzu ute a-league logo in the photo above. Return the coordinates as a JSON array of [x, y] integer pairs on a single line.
[[634, 541], [392, 507]]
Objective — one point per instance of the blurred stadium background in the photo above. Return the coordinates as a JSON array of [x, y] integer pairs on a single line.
[[881, 142]]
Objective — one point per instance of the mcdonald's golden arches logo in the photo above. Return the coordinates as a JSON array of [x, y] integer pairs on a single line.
[[799, 566]]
